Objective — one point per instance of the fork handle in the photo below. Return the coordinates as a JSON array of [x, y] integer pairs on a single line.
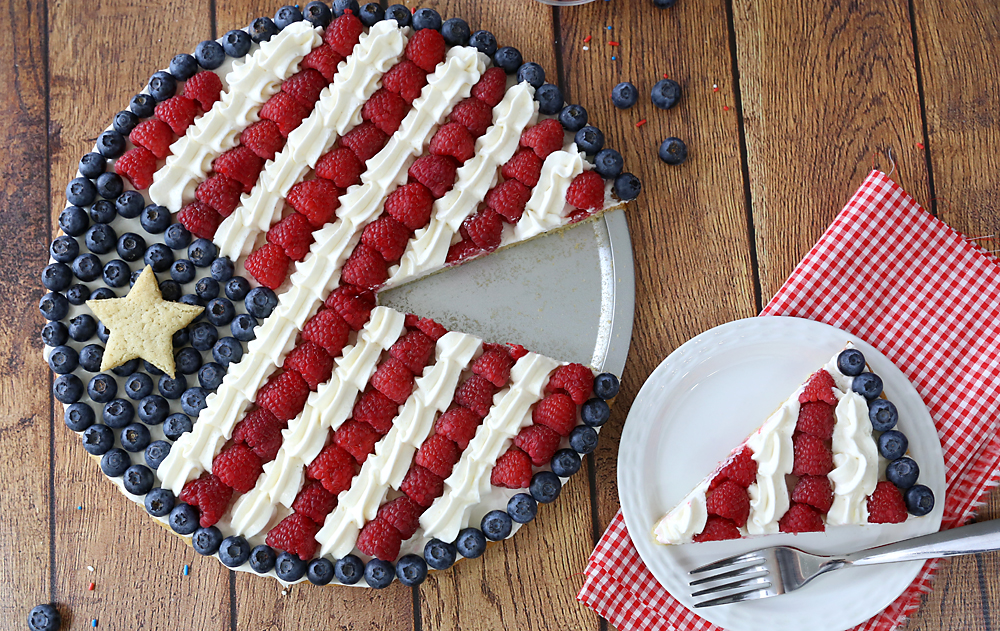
[[980, 537]]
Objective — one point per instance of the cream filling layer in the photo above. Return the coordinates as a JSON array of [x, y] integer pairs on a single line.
[[547, 207], [251, 82]]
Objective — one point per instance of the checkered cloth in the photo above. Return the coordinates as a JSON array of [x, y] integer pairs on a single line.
[[929, 300]]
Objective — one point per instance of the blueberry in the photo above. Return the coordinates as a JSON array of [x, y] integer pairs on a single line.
[[74, 221], [665, 94], [262, 559], [550, 99], [131, 247], [379, 573], [222, 269], [44, 618], [868, 385], [110, 186], [484, 42], [349, 570], [124, 122], [399, 13], [172, 388], [138, 479], [565, 463], [242, 327], [184, 519], [627, 187], [286, 15], [193, 300], [234, 551], [92, 165], [159, 502], [573, 117], [289, 567], [210, 376], [531, 73], [54, 334], [206, 541], [496, 525], [187, 360], [919, 500], [118, 413], [159, 257], [664, 4], [456, 32], [77, 294], [176, 426], [508, 59], [180, 338], [193, 401], [115, 462], [111, 144], [81, 192], [673, 151], [154, 219], [64, 249], [220, 311], [78, 416], [202, 252], [82, 327], [892, 444], [142, 105], [851, 362], [210, 55], [182, 271], [411, 570], [67, 388], [522, 508], [902, 472], [320, 571], [341, 6], [206, 288], [882, 414], [606, 385], [116, 273], [545, 486], [262, 29], [183, 66], [371, 14], [595, 412], [439, 554], [471, 543], [98, 439], [102, 388], [162, 86], [624, 95], [590, 139], [155, 453], [260, 302], [127, 368], [57, 276], [317, 14], [170, 290], [237, 288], [103, 333], [203, 335], [426, 18], [226, 351], [236, 43], [101, 238], [91, 356], [134, 437], [102, 293], [103, 211], [177, 236]]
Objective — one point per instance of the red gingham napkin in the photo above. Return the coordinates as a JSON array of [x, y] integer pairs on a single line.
[[929, 300]]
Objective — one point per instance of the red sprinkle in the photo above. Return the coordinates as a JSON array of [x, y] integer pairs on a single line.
[[641, 123], [920, 145], [587, 39], [665, 76], [715, 89], [613, 44], [91, 587], [725, 108]]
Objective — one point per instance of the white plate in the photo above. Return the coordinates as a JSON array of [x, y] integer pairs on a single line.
[[707, 397]]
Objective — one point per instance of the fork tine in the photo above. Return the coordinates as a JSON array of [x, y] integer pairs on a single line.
[[762, 582], [735, 598], [753, 555], [740, 572]]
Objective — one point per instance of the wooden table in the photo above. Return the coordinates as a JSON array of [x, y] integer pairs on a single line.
[[783, 110]]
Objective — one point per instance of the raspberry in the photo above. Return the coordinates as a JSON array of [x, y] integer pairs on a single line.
[[327, 330], [263, 138], [293, 234], [204, 87], [260, 431], [729, 500], [812, 456], [525, 167], [575, 380], [886, 506], [357, 439], [458, 424], [485, 229], [284, 395], [365, 268], [221, 193], [286, 111], [438, 455], [718, 529], [474, 115], [334, 467], [240, 164], [814, 490], [365, 141], [819, 388], [393, 379], [295, 534], [341, 167], [543, 138], [494, 365], [200, 219], [211, 497], [816, 418], [509, 199], [405, 79], [178, 112], [454, 140], [491, 86], [476, 394], [512, 470], [586, 191], [410, 205], [317, 199], [557, 412], [437, 173], [385, 110], [376, 409], [155, 135], [268, 264], [311, 361], [314, 502], [353, 304], [426, 49], [324, 59], [461, 251], [238, 467], [431, 329], [539, 442], [422, 486], [387, 236], [742, 470], [380, 540], [344, 33], [304, 86], [138, 165], [801, 518], [402, 514], [415, 350]]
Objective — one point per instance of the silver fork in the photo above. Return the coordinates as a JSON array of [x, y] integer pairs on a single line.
[[781, 569]]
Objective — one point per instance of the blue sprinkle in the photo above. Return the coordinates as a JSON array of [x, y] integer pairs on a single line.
[[187, 570], [79, 508], [93, 622], [609, 28], [613, 58]]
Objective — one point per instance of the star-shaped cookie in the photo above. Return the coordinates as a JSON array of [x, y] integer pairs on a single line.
[[142, 324]]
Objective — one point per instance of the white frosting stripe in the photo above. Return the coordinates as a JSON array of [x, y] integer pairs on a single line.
[[547, 207], [470, 479], [251, 82], [387, 467]]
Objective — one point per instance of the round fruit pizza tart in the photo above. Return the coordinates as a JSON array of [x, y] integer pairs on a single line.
[[212, 314]]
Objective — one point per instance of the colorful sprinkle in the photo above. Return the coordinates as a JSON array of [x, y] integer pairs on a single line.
[[613, 44], [665, 76], [920, 145], [613, 58], [90, 568], [586, 47], [641, 123], [79, 508], [715, 88], [725, 108], [187, 570], [90, 587], [93, 622], [587, 39], [609, 28]]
